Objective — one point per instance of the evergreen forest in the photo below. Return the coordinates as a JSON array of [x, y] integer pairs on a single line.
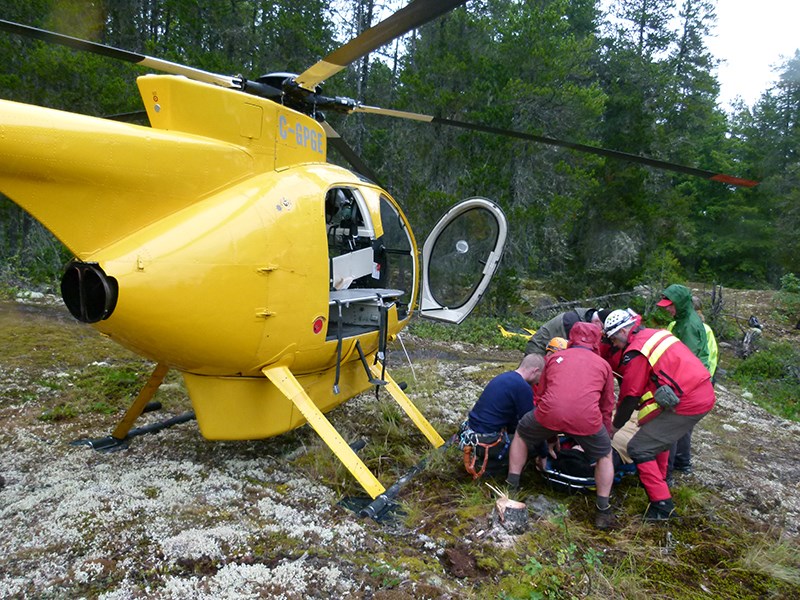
[[630, 75]]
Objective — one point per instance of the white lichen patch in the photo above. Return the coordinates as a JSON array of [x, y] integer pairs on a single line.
[[212, 543], [317, 527], [287, 580], [135, 522]]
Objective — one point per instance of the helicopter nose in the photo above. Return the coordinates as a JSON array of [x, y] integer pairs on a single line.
[[90, 294]]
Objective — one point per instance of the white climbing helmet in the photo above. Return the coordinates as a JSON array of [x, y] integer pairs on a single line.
[[618, 319]]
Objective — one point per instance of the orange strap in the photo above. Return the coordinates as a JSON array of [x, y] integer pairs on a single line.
[[470, 457]]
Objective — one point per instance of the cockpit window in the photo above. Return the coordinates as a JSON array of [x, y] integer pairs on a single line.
[[345, 220]]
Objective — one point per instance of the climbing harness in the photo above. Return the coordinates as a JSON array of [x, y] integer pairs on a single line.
[[470, 442]]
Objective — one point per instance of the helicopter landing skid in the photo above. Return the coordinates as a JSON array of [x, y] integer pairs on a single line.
[[114, 444], [122, 434], [384, 509], [283, 379]]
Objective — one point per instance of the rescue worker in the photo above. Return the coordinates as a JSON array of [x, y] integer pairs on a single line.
[[486, 434], [689, 328], [713, 348], [577, 397], [672, 390], [555, 344], [560, 326]]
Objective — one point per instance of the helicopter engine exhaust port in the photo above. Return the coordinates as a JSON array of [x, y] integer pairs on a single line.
[[90, 294]]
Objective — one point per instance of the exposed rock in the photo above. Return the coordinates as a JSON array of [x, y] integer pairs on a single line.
[[543, 507]]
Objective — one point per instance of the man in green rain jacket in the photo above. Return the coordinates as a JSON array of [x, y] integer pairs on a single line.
[[690, 329]]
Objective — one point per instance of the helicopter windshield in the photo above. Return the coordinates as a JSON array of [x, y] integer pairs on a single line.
[[460, 256]]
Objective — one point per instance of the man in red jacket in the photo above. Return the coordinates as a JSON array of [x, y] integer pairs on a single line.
[[672, 390], [577, 397]]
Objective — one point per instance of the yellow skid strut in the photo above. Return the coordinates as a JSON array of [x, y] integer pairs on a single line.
[[405, 403], [145, 395], [283, 379]]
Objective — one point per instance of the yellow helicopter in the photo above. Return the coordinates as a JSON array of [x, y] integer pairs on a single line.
[[221, 243]]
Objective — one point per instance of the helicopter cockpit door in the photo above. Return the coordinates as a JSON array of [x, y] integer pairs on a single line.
[[460, 257]]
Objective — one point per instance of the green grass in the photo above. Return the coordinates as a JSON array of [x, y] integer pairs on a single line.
[[778, 559], [475, 330], [772, 375], [712, 551], [104, 389]]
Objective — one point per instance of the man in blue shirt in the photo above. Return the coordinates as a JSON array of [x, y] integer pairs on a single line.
[[485, 435]]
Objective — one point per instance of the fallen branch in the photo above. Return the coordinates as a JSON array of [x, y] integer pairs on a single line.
[[558, 306]]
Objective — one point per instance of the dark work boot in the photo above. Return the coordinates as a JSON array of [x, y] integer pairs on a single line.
[[605, 519], [513, 483], [663, 510]]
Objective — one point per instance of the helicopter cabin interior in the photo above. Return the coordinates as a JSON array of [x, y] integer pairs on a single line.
[[368, 274]]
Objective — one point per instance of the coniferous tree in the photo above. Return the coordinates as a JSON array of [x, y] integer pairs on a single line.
[[619, 230], [692, 132], [770, 133]]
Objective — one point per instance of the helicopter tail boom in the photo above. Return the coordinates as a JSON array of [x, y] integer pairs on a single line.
[[92, 181]]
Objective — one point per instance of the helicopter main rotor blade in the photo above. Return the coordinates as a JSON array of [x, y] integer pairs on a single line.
[[415, 14], [335, 140], [150, 62], [650, 162]]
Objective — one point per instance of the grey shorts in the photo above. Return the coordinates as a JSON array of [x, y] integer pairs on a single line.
[[533, 433]]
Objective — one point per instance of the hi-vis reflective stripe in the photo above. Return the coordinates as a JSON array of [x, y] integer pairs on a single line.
[[657, 345], [646, 410], [647, 406]]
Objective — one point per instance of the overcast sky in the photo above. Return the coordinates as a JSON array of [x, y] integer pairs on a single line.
[[751, 37]]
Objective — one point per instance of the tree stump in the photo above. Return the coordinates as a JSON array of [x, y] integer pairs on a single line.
[[512, 515]]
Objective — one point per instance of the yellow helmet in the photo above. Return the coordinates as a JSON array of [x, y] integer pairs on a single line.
[[556, 344]]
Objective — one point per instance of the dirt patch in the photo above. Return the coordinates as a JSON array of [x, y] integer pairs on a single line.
[[460, 563]]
